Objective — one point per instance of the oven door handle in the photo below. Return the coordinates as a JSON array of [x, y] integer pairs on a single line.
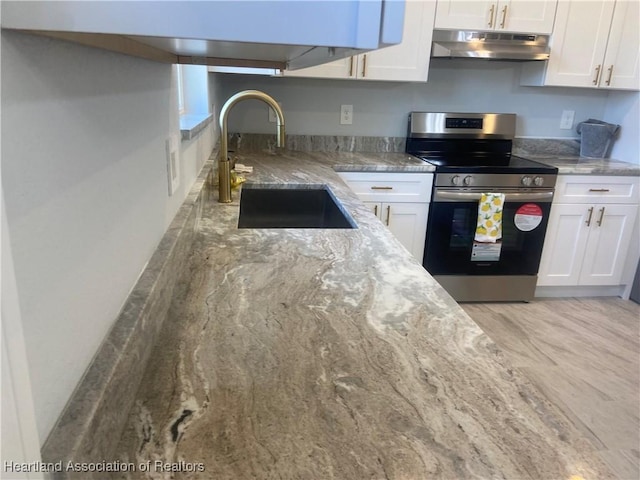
[[451, 196]]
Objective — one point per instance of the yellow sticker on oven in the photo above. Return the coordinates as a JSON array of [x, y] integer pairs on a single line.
[[528, 217]]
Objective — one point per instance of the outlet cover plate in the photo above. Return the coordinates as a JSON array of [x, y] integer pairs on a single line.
[[566, 120], [346, 114]]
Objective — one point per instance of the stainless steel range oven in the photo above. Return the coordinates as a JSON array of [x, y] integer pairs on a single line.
[[480, 185]]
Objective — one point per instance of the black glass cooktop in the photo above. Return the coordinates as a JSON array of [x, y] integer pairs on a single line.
[[473, 156], [487, 164]]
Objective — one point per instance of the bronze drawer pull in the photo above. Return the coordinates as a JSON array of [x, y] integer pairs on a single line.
[[598, 189], [381, 188]]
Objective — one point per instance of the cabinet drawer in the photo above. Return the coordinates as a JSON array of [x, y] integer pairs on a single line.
[[390, 187], [596, 189]]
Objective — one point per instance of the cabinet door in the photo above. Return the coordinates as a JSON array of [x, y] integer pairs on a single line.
[[343, 68], [565, 244], [528, 16], [579, 43], [465, 14], [622, 60], [375, 207], [408, 61], [609, 240], [408, 223]]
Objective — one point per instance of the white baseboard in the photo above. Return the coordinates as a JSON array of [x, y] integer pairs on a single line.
[[583, 291]]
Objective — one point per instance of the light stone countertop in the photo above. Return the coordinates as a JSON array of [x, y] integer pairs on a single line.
[[588, 166], [332, 354]]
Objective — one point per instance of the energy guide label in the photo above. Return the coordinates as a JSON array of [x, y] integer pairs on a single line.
[[528, 217]]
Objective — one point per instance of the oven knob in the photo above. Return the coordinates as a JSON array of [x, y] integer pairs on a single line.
[[538, 181], [455, 180], [526, 180], [468, 180]]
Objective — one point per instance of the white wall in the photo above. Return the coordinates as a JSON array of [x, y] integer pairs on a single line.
[[85, 187], [312, 106], [623, 108]]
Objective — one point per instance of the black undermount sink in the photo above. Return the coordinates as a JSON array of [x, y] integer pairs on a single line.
[[291, 206]]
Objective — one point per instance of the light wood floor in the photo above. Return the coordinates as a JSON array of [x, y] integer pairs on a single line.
[[584, 354]]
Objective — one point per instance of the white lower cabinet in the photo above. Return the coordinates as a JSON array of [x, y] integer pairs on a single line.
[[588, 241], [407, 222], [399, 200]]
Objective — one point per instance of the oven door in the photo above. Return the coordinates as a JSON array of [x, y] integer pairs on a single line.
[[450, 248]]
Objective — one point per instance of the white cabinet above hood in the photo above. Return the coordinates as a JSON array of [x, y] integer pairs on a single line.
[[262, 33]]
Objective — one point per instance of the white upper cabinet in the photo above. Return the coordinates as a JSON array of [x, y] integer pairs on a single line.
[[408, 61], [595, 43], [293, 32], [518, 16], [621, 65]]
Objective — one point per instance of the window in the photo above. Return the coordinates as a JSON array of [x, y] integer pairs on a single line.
[[180, 87], [192, 85]]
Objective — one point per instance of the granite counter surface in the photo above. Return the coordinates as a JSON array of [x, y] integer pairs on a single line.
[[332, 354], [589, 166]]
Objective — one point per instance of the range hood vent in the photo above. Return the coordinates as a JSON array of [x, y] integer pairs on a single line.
[[489, 45]]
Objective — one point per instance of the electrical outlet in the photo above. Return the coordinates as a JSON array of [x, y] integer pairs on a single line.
[[346, 114], [566, 121], [272, 114]]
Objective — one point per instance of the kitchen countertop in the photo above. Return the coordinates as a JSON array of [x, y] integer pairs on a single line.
[[588, 166], [307, 354]]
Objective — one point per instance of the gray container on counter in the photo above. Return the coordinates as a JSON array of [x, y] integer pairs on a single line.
[[596, 138]]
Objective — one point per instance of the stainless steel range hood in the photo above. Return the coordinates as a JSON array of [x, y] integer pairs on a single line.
[[489, 45]]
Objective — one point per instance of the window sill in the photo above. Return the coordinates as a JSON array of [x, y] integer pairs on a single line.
[[191, 125]]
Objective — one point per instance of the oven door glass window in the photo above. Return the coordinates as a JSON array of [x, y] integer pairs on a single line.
[[450, 241]]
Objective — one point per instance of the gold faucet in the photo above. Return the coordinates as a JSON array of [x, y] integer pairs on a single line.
[[224, 165]]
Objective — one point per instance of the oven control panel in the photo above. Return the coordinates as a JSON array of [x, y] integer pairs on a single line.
[[494, 180], [460, 180], [528, 181], [474, 123]]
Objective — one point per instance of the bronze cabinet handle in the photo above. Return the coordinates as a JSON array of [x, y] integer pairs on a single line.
[[351, 68], [491, 12], [595, 80], [588, 222], [504, 16], [375, 210], [610, 69], [388, 214], [364, 65], [601, 217]]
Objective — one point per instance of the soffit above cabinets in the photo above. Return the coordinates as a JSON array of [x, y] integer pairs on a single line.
[[276, 34]]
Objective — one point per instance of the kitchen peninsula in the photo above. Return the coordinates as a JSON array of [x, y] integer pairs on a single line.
[[312, 353]]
